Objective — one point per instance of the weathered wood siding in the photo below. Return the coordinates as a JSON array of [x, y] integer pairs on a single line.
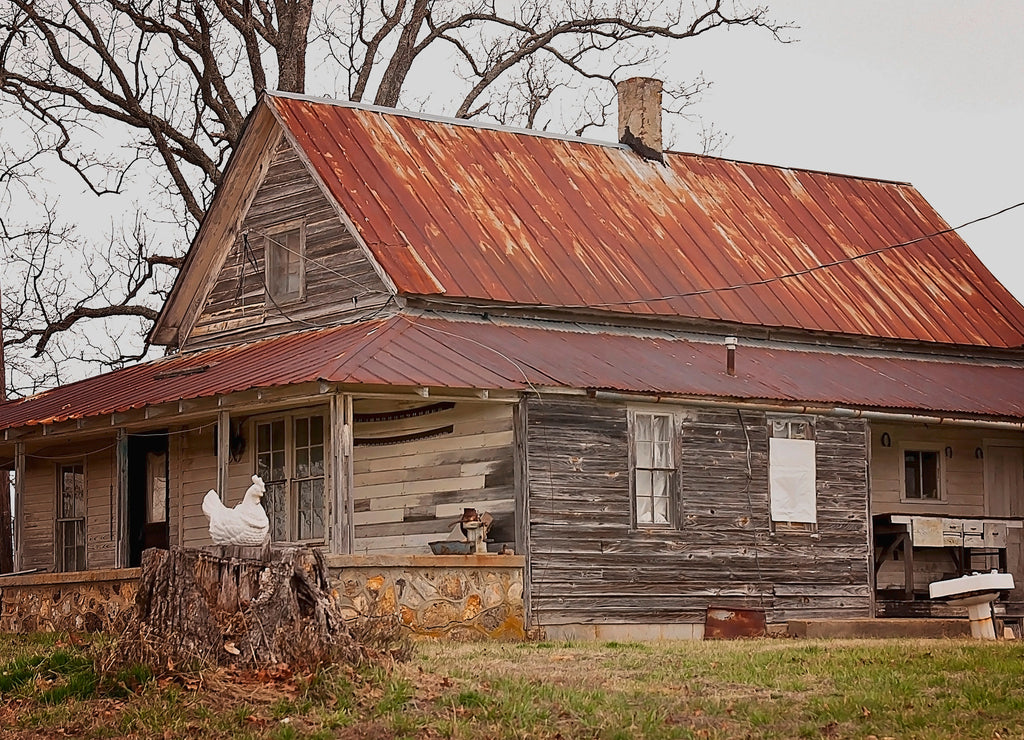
[[101, 504], [412, 493], [588, 564], [40, 507], [340, 281], [195, 459]]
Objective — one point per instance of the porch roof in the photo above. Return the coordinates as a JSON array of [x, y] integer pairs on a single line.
[[412, 351]]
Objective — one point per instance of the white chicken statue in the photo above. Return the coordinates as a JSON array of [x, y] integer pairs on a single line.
[[246, 524]]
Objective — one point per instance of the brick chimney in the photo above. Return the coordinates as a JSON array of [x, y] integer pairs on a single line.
[[640, 116]]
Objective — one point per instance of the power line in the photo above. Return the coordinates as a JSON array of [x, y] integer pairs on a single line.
[[805, 271]]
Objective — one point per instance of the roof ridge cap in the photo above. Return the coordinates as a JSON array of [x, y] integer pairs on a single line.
[[436, 118]]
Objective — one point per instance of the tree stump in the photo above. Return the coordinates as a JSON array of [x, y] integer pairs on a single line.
[[239, 606]]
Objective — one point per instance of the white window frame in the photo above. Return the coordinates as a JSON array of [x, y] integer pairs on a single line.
[[668, 468], [272, 246], [291, 480], [938, 449], [791, 428], [63, 523]]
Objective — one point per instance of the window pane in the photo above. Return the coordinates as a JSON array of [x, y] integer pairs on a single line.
[[318, 509], [72, 493], [659, 483], [302, 432], [644, 483], [274, 502], [311, 503], [662, 455], [643, 427], [660, 491], [284, 264], [929, 475], [316, 463], [302, 463], [644, 514], [67, 506], [156, 487], [644, 454], [277, 466], [661, 428], [79, 544], [661, 511], [316, 430], [644, 486], [912, 474], [262, 437]]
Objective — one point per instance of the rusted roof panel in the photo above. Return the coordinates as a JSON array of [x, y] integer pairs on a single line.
[[492, 214], [415, 351]]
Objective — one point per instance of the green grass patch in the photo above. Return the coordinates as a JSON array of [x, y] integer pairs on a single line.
[[610, 691]]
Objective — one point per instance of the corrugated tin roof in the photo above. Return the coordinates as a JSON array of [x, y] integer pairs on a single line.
[[492, 214], [416, 351]]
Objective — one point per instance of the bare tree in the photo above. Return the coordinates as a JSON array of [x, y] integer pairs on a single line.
[[142, 100]]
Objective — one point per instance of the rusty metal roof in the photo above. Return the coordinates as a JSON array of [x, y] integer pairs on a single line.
[[413, 351], [477, 212]]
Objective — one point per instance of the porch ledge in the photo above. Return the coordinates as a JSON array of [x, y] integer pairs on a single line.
[[79, 576], [424, 561]]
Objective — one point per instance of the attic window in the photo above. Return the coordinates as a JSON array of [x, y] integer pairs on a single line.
[[285, 250]]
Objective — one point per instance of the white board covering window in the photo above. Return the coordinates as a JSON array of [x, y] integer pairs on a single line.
[[792, 480]]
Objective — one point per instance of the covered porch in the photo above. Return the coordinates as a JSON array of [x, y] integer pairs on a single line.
[[947, 499]]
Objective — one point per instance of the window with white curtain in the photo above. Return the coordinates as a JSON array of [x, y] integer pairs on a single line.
[[653, 469]]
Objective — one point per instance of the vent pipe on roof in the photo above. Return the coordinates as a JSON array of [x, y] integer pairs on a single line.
[[640, 116], [730, 355]]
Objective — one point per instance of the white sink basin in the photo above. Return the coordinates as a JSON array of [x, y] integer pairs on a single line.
[[972, 585]]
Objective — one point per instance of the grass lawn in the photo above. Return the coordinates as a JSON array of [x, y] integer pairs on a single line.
[[773, 688]]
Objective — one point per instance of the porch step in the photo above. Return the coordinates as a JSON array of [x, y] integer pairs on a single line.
[[839, 628]]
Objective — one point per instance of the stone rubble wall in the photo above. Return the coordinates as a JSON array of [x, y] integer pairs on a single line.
[[89, 601], [462, 597], [469, 597]]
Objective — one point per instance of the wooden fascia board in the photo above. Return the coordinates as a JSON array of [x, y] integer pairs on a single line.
[[342, 215], [243, 176]]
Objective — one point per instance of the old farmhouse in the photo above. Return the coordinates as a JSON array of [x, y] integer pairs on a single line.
[[674, 381]]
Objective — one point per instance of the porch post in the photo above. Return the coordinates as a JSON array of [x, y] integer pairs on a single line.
[[350, 498], [522, 496], [342, 530], [223, 453], [19, 505], [121, 550]]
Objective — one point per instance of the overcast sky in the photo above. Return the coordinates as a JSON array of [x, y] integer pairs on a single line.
[[925, 91]]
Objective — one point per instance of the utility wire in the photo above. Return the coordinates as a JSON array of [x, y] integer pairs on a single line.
[[807, 271], [785, 276]]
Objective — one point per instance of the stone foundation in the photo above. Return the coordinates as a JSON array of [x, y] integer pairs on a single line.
[[461, 597], [88, 601]]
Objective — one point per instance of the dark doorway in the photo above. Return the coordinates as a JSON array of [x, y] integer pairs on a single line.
[[147, 494]]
